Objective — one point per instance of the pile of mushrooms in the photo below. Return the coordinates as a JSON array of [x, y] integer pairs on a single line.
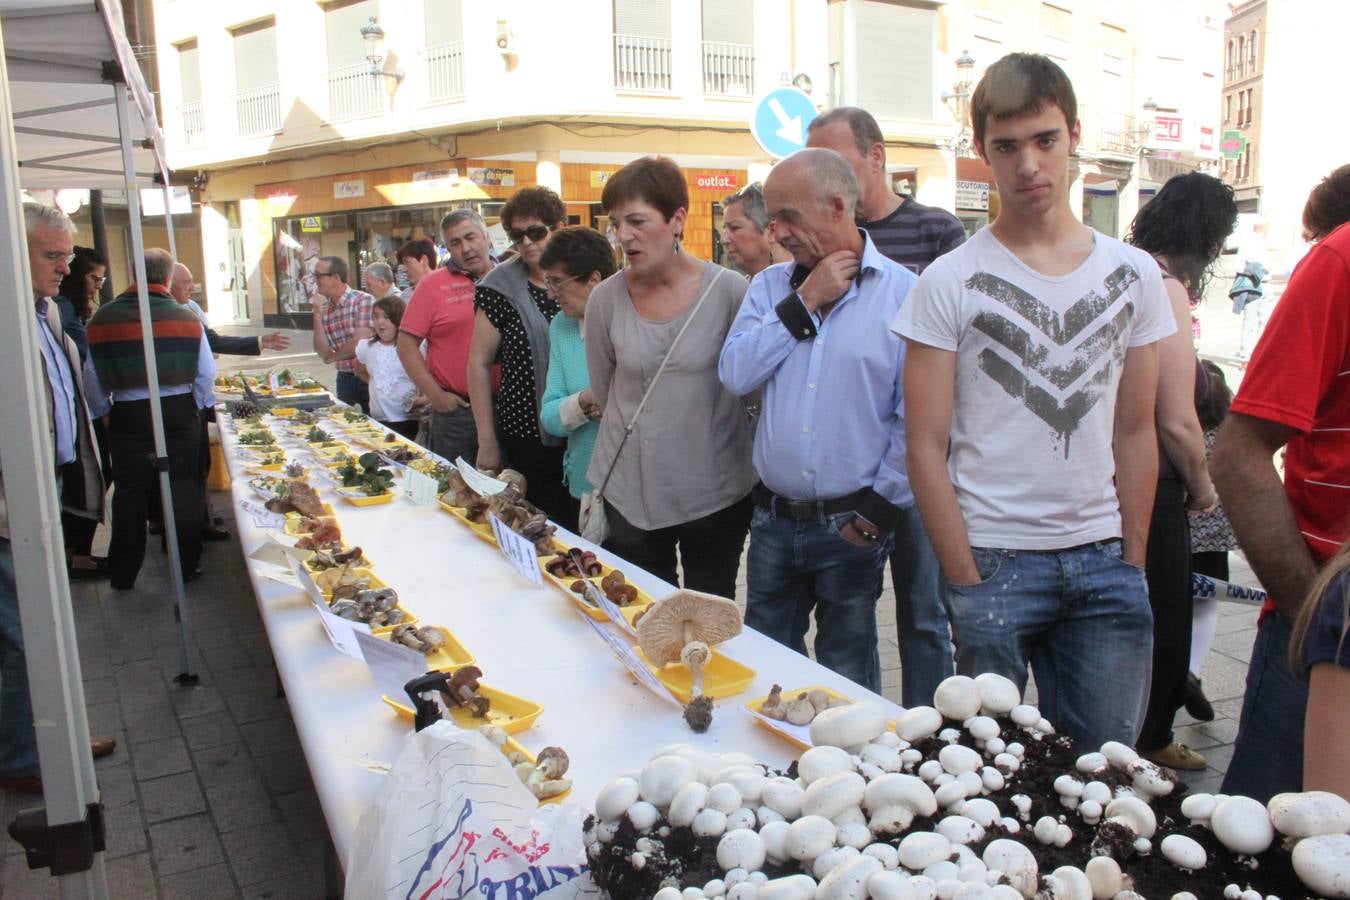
[[682, 628], [799, 710], [925, 812]]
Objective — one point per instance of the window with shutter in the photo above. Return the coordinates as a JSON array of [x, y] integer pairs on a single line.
[[894, 63], [728, 47], [642, 54], [257, 101]]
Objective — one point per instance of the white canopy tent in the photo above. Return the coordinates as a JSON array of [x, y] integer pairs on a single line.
[[74, 113]]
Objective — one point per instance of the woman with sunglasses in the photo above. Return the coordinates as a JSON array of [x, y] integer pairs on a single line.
[[512, 312], [676, 475]]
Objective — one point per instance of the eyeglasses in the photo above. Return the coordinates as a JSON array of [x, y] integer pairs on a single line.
[[750, 190], [535, 233], [555, 283], [98, 279], [318, 274], [58, 256]]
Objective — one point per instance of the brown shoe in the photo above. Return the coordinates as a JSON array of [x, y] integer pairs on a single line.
[[1178, 756], [28, 784], [102, 746]]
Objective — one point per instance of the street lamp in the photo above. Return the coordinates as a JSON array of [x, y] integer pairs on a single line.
[[961, 145], [372, 35]]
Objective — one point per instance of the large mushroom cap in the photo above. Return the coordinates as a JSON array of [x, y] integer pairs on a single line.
[[684, 616]]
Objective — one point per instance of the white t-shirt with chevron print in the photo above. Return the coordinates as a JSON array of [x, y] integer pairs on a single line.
[[1038, 364]]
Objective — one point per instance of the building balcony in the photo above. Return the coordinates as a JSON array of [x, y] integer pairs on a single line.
[[445, 72], [728, 69], [642, 64], [353, 92], [1122, 134], [258, 112], [193, 117]]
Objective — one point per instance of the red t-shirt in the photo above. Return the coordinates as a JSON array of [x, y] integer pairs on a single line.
[[441, 313], [1299, 376]]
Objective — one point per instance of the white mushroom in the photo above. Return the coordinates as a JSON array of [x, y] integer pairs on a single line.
[[643, 815], [1183, 852], [1149, 779], [682, 627], [819, 762], [834, 794], [741, 818], [849, 881], [851, 727], [960, 830], [808, 837], [1323, 864], [1119, 754], [998, 695], [740, 849], [1075, 883], [917, 723], [710, 823], [889, 855], [1198, 808], [956, 758], [1024, 715], [889, 885], [686, 803], [1016, 862], [830, 860], [1242, 825], [773, 835], [921, 849], [792, 887], [723, 796], [982, 728], [957, 697], [1135, 814], [614, 798], [1309, 814], [662, 777], [1104, 874], [783, 796]]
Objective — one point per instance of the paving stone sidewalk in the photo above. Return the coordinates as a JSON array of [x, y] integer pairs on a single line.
[[208, 796]]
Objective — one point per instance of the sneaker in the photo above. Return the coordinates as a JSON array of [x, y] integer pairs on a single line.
[[1178, 756], [1197, 704]]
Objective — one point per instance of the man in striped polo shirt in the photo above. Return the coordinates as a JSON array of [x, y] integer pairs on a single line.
[[1296, 395], [912, 235]]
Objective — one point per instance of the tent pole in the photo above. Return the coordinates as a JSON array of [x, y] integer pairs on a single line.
[[168, 222], [35, 541], [152, 374]]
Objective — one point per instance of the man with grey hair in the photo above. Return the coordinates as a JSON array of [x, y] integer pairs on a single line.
[[745, 232], [912, 235], [121, 390], [380, 281], [466, 237], [50, 249], [830, 441]]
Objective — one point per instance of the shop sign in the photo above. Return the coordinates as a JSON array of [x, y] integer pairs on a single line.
[[1206, 143], [436, 179], [1232, 145], [349, 190], [716, 182], [972, 195], [1167, 129], [311, 224], [489, 176], [598, 179]]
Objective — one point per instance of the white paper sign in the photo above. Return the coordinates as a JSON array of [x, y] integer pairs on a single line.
[[800, 733], [281, 576], [262, 516], [391, 665], [519, 551], [342, 632], [420, 487], [624, 651], [307, 582], [611, 609], [483, 484], [274, 381]]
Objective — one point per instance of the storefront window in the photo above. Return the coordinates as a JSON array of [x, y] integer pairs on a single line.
[[362, 238]]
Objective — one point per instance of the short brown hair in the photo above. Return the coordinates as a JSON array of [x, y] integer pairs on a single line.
[[420, 248], [656, 180], [1328, 206], [535, 203], [579, 251], [1021, 84]]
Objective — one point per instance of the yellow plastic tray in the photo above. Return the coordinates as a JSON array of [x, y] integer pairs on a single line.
[[358, 499], [722, 677], [482, 530], [452, 656], [756, 705], [293, 519], [629, 612], [375, 581], [508, 712], [284, 412]]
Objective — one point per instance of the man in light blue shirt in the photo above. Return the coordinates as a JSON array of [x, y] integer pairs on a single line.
[[830, 441]]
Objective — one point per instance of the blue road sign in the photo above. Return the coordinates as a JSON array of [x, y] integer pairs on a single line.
[[780, 119]]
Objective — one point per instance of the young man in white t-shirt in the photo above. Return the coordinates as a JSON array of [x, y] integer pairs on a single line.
[[1029, 389]]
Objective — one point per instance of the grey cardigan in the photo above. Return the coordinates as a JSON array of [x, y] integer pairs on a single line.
[[690, 452], [510, 279]]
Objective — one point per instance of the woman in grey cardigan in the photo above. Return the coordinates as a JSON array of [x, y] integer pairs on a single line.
[[681, 480]]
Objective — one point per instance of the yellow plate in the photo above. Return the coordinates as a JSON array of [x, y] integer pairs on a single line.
[[452, 656], [792, 733], [565, 585], [375, 581], [270, 467], [284, 411], [722, 677], [293, 519], [480, 529], [358, 499], [508, 712]]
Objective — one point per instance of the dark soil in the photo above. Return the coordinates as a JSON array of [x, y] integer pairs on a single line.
[[688, 861]]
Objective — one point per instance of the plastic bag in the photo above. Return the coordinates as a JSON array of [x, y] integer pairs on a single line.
[[453, 821]]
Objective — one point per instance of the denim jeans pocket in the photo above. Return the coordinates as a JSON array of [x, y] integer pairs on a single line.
[[758, 516], [988, 561], [834, 525], [1113, 550]]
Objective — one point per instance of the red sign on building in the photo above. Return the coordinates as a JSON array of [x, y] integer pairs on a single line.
[[715, 182], [1167, 129]]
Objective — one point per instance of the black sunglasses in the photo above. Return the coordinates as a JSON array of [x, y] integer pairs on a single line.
[[535, 233]]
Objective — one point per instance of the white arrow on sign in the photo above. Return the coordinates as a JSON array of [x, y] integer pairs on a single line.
[[790, 128]]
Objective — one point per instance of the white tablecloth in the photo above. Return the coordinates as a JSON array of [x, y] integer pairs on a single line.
[[528, 640]]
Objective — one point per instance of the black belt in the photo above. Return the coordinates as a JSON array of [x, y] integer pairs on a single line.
[[803, 509]]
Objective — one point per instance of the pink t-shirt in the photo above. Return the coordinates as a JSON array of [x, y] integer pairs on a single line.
[[441, 313]]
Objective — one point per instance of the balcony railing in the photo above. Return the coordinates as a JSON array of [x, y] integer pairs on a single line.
[[642, 63], [445, 71], [194, 123], [728, 69], [258, 112], [1122, 134], [353, 92]]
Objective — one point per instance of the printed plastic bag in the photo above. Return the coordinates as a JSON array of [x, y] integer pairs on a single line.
[[453, 821]]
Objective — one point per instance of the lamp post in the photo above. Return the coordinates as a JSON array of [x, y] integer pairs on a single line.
[[961, 145], [372, 35]]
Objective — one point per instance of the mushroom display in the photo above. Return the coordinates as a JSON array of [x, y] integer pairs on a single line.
[[682, 627], [464, 691], [963, 810], [544, 776]]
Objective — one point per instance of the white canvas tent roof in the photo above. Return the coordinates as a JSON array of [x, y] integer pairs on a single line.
[[65, 121]]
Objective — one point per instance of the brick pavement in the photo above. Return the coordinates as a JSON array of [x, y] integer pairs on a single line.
[[207, 794]]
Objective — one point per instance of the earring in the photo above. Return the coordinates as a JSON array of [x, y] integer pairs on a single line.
[[677, 244]]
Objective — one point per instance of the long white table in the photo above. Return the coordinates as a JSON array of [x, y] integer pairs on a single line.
[[528, 640]]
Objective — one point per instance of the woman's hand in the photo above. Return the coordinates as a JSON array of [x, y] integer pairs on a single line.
[[588, 404]]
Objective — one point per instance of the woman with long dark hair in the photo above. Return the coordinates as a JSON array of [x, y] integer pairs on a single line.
[[1184, 227]]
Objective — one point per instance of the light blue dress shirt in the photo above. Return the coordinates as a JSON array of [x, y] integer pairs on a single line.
[[832, 421], [62, 382]]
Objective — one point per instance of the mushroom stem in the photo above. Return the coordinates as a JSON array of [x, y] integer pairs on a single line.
[[695, 663]]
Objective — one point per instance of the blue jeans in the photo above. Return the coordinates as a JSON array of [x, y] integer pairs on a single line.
[[1079, 617], [18, 739], [921, 622], [353, 391], [796, 566], [1268, 757]]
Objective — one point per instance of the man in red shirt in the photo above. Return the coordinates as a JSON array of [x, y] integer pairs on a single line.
[[440, 313], [1296, 395]]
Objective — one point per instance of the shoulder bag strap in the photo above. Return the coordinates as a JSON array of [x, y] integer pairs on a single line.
[[632, 423]]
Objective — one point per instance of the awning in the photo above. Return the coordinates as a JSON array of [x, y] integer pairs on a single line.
[[59, 54]]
